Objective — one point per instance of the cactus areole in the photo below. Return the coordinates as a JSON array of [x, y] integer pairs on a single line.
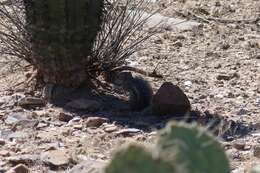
[[62, 33]]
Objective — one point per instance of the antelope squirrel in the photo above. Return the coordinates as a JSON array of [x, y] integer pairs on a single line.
[[140, 91]]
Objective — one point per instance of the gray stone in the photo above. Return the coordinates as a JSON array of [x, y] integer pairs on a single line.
[[4, 133], [160, 21], [128, 132], [56, 158], [21, 120], [110, 128], [19, 135], [7, 100], [31, 102], [258, 102], [13, 118]]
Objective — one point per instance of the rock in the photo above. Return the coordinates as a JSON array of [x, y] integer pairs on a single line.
[[88, 166], [2, 141], [31, 102], [6, 99], [19, 135], [4, 153], [239, 145], [42, 125], [110, 128], [188, 83], [50, 135], [257, 151], [19, 169], [128, 132], [24, 159], [25, 124], [56, 158], [13, 118], [170, 99], [4, 133], [2, 115], [227, 76], [258, 102], [2, 102], [78, 126], [65, 117], [84, 104], [75, 119], [95, 121], [223, 77], [158, 20], [40, 113]]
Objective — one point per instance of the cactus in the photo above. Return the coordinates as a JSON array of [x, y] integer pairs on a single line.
[[255, 169], [191, 146], [62, 33], [135, 159]]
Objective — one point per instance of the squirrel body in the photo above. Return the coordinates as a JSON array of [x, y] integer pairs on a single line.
[[140, 91]]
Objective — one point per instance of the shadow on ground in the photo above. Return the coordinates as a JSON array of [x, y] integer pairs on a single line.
[[117, 110]]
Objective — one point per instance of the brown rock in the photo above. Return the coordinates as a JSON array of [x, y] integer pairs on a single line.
[[95, 121], [19, 169], [23, 159], [239, 145], [170, 99], [4, 153], [2, 141], [65, 117]]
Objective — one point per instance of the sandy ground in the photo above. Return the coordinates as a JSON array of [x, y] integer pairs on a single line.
[[217, 64]]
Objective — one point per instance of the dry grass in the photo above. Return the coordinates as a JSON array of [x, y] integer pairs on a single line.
[[118, 38]]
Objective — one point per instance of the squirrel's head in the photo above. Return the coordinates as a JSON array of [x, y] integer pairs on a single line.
[[122, 77]]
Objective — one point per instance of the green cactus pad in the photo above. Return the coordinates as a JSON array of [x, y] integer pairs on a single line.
[[135, 159], [192, 147], [255, 169]]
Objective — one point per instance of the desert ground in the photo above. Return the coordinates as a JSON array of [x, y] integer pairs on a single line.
[[216, 62]]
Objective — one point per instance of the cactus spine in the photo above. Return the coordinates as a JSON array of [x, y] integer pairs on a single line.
[[181, 148], [135, 159], [193, 147]]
